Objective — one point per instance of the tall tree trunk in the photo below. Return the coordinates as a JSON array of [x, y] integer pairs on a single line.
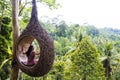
[[15, 8]]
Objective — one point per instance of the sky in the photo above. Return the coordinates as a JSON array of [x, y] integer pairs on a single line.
[[100, 13]]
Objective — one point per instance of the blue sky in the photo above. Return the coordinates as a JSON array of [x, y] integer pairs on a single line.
[[100, 13]]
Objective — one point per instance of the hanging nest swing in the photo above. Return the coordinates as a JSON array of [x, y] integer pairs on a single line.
[[34, 31]]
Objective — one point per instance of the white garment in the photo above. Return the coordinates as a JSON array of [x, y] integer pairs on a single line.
[[23, 57]]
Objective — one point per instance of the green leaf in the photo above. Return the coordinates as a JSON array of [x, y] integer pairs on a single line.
[[5, 61]]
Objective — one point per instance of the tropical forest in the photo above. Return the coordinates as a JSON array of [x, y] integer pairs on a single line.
[[82, 52]]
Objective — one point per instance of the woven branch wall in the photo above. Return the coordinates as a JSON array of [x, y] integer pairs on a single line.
[[35, 31]]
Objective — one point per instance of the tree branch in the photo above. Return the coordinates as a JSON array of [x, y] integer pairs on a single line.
[[15, 69], [22, 7]]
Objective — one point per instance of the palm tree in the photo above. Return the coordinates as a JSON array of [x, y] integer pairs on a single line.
[[106, 62]]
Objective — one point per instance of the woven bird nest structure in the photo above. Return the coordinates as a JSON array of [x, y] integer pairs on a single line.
[[35, 31]]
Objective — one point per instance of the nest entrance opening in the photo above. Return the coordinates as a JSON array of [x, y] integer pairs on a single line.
[[28, 51]]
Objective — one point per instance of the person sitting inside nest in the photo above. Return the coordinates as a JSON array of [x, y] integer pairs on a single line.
[[30, 54]]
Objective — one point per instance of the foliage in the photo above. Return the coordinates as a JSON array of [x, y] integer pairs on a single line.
[[57, 70], [5, 47], [77, 57], [92, 30], [85, 62], [51, 3], [5, 7]]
